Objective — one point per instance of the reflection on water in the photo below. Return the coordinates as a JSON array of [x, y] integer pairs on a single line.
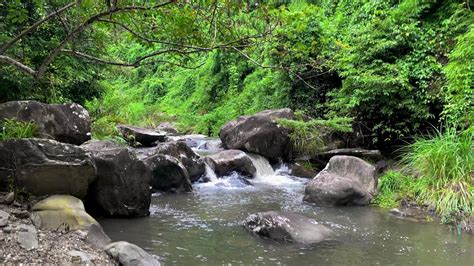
[[203, 228]]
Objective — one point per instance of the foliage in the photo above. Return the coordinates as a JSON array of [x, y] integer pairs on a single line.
[[459, 94], [14, 129], [445, 162], [440, 171], [309, 137]]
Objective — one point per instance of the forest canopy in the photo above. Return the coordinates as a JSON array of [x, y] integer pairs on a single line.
[[396, 68]]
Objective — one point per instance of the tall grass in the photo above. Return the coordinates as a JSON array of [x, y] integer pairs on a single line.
[[444, 163], [15, 129]]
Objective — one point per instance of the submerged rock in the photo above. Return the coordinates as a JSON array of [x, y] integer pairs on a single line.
[[129, 254], [122, 185], [287, 227], [69, 123], [146, 137], [189, 159], [346, 180], [61, 212], [259, 134], [47, 167], [227, 161]]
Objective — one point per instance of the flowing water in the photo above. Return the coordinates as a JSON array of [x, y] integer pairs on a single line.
[[204, 228]]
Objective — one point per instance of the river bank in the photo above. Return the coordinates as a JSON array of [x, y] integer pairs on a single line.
[[21, 242]]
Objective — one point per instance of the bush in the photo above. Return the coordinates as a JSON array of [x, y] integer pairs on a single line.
[[308, 137], [445, 162], [14, 129]]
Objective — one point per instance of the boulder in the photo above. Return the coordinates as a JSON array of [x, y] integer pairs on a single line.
[[227, 161], [346, 180], [61, 212], [129, 254], [259, 133], [47, 167], [287, 227], [69, 123], [122, 185], [179, 150], [298, 169], [169, 128], [97, 237], [146, 137], [192, 140], [8, 199], [168, 173]]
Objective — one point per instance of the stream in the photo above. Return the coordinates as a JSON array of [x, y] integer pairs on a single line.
[[204, 228]]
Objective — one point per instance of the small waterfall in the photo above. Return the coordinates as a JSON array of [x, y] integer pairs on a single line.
[[210, 174], [262, 165]]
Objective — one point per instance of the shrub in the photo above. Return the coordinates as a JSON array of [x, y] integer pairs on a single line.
[[308, 137], [445, 162]]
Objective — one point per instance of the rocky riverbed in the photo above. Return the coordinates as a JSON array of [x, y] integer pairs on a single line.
[[22, 242]]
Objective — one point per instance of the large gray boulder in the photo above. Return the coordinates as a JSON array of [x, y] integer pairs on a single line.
[[346, 180], [227, 161], [130, 255], [287, 227], [259, 133], [122, 185], [146, 137], [69, 123], [169, 174], [179, 150], [46, 167]]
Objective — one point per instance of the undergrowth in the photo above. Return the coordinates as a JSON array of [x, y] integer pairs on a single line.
[[15, 129], [439, 173]]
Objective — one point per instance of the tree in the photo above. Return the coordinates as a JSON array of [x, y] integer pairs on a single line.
[[175, 27]]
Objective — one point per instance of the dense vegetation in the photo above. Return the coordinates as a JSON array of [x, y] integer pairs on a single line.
[[393, 69]]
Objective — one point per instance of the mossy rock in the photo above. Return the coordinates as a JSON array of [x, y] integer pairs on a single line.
[[61, 212]]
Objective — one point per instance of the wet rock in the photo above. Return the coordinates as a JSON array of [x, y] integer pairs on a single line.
[[374, 155], [26, 237], [259, 134], [129, 254], [346, 180], [122, 185], [8, 199], [301, 170], [287, 227], [169, 128], [69, 123], [179, 150], [61, 212], [227, 161], [146, 137], [3, 218], [168, 174], [80, 258], [97, 237], [47, 167], [192, 140]]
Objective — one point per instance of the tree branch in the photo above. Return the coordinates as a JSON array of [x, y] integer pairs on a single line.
[[7, 45], [17, 64], [97, 60], [52, 55]]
